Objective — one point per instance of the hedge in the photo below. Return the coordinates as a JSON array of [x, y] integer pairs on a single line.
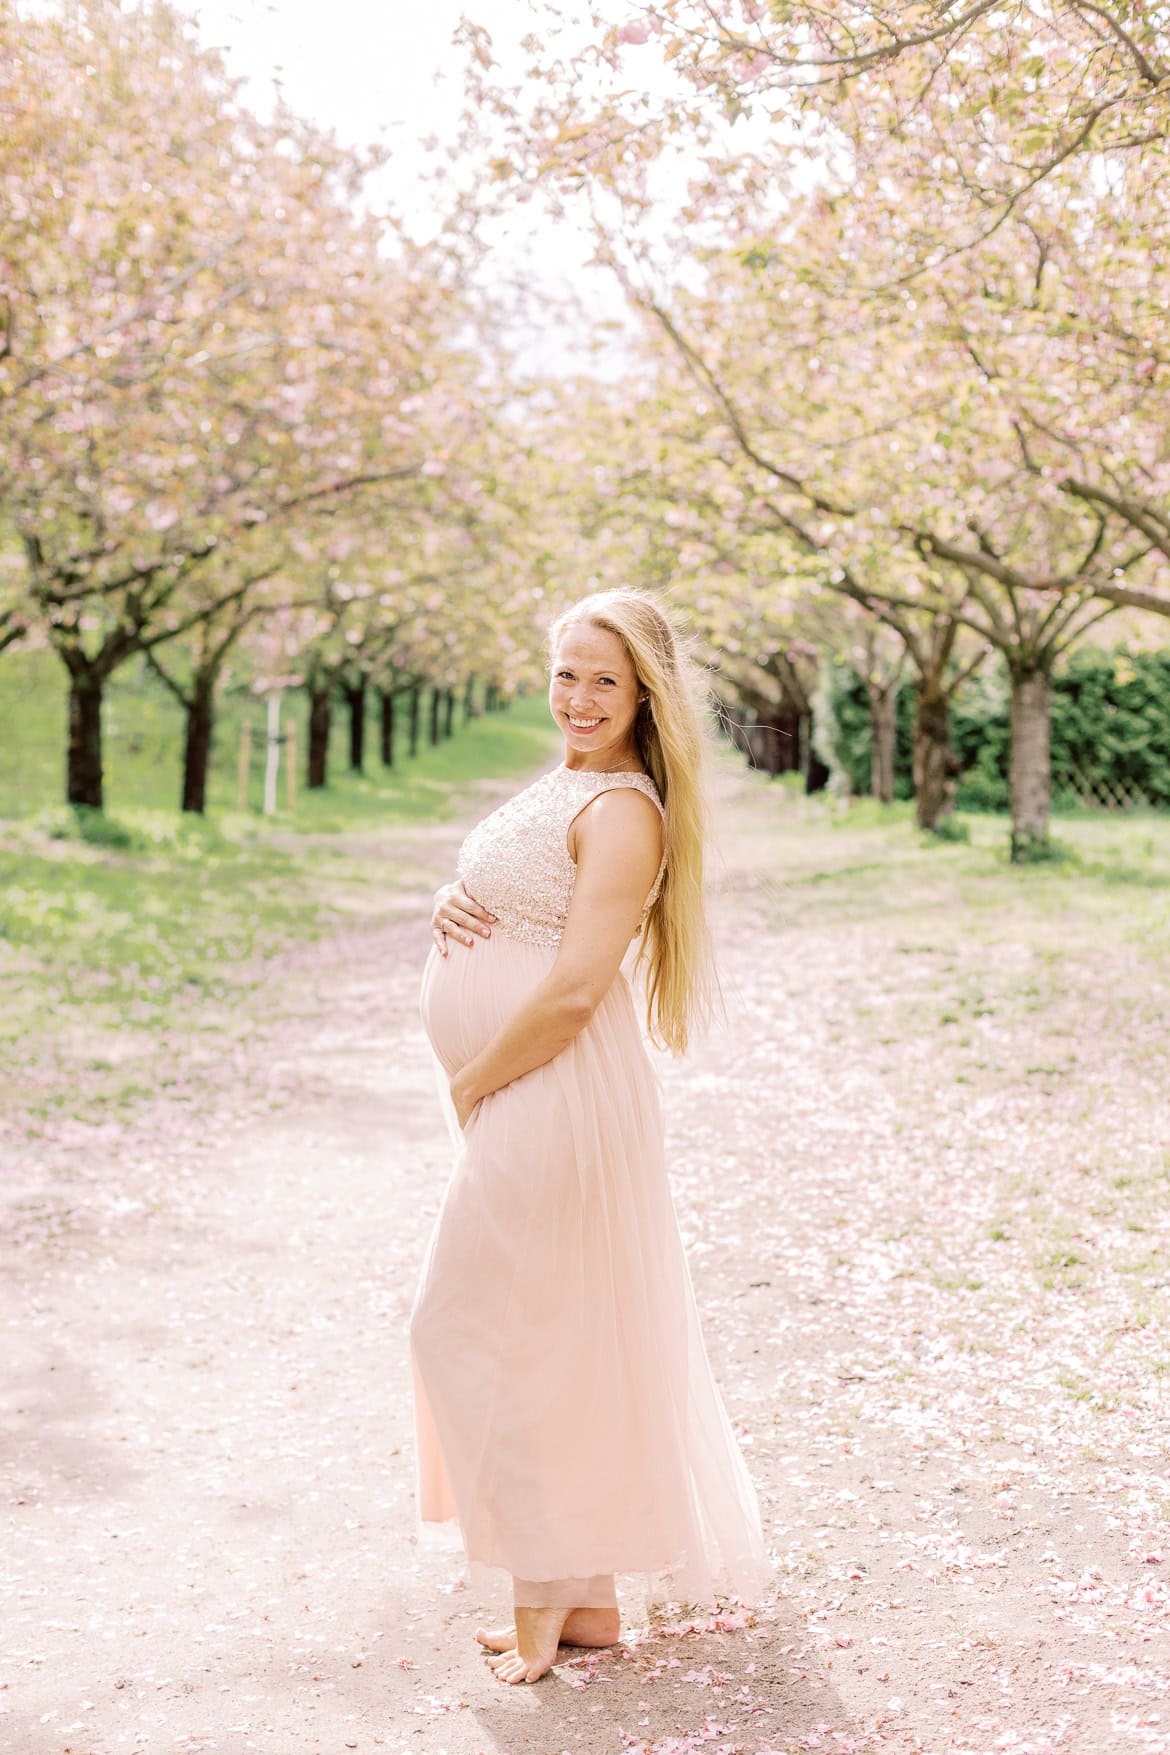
[[1110, 731]]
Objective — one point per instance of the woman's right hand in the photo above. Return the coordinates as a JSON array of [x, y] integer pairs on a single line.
[[459, 916]]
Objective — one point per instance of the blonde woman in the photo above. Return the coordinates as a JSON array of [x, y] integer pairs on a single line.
[[566, 1416]]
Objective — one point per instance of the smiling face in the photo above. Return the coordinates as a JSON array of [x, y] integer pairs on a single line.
[[593, 696]]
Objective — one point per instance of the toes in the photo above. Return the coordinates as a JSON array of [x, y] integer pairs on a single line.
[[510, 1667], [497, 1638]]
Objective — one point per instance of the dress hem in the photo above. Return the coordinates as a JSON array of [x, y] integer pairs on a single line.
[[657, 1581]]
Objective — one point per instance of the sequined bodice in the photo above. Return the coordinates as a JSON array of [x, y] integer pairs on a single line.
[[516, 861]]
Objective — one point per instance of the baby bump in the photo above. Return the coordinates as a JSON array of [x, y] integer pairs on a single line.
[[471, 992]]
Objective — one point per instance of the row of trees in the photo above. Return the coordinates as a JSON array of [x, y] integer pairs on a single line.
[[244, 420], [904, 329], [1110, 732], [896, 396]]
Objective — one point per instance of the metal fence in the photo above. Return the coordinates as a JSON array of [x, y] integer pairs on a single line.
[[1100, 791]]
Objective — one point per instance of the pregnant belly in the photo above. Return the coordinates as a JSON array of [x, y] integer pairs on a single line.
[[471, 992]]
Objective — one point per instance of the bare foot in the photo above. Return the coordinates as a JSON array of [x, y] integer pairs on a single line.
[[593, 1627], [538, 1633]]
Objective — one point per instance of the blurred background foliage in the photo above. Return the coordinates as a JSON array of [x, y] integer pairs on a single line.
[[1110, 719]]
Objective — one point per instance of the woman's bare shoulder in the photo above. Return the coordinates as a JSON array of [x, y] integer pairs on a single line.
[[621, 821]]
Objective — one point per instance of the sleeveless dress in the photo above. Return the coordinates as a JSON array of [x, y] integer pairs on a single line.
[[566, 1418]]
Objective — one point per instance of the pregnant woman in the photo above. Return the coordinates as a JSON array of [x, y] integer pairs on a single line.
[[565, 1413]]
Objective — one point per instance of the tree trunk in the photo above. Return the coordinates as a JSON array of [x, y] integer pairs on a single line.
[[469, 709], [436, 701], [782, 752], [1031, 766], [490, 698], [415, 708], [320, 719], [935, 766], [817, 773], [883, 719], [84, 771], [355, 699], [449, 713], [197, 748], [386, 700]]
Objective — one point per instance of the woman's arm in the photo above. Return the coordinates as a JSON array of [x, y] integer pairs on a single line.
[[619, 848]]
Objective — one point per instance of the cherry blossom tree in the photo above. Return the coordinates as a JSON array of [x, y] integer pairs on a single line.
[[202, 338], [895, 263], [995, 96]]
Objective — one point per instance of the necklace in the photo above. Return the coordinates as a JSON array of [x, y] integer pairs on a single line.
[[616, 768]]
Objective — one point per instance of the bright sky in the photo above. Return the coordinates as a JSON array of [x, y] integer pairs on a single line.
[[386, 72]]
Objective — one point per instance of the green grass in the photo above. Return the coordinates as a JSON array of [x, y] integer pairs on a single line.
[[862, 861], [141, 922], [131, 924], [143, 749]]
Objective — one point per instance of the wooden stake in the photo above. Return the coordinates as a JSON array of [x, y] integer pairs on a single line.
[[272, 764], [290, 772], [245, 765]]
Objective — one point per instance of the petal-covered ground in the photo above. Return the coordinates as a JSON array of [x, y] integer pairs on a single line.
[[922, 1174]]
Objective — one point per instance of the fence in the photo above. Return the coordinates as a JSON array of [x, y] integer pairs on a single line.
[[1099, 791]]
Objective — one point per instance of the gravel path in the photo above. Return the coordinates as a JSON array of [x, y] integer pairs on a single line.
[[957, 1432]]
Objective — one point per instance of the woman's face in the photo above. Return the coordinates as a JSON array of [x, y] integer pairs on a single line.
[[593, 693]]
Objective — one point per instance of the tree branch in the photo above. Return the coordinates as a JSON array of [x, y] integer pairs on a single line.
[[703, 372], [1152, 523], [1148, 72], [13, 627], [143, 308]]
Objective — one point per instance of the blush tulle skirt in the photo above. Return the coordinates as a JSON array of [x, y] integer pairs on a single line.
[[567, 1423]]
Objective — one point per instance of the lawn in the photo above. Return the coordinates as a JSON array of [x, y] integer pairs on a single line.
[[116, 929], [143, 744], [125, 936]]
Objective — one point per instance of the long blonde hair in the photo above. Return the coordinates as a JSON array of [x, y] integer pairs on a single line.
[[682, 986]]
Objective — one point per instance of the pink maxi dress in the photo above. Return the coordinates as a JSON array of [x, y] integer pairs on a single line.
[[566, 1418]]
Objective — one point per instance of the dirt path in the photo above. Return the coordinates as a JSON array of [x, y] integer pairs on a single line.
[[207, 1428]]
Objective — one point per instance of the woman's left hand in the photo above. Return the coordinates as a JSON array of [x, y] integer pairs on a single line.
[[463, 1098]]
